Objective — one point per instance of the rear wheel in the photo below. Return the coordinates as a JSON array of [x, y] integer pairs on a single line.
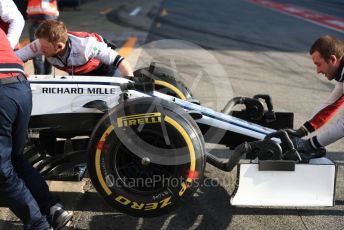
[[146, 156]]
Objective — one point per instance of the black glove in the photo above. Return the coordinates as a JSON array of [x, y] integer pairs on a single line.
[[141, 79], [306, 150], [144, 84], [300, 132], [302, 145]]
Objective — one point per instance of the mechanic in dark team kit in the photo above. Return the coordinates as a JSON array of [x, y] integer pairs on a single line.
[[77, 53], [22, 188], [328, 56]]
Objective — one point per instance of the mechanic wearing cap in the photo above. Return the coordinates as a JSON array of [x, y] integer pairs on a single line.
[[77, 53], [22, 188], [38, 11], [328, 56], [11, 21]]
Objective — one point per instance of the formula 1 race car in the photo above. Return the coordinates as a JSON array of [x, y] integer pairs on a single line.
[[143, 143]]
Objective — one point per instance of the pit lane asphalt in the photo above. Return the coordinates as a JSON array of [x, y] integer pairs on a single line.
[[261, 51]]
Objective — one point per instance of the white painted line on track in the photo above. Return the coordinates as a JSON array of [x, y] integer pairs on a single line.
[[318, 18], [135, 12]]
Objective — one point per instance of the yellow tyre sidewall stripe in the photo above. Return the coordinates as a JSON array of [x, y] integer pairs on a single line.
[[97, 162], [171, 87], [170, 121], [188, 143]]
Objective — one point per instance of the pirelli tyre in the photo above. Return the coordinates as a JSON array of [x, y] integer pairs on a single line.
[[165, 82], [146, 157]]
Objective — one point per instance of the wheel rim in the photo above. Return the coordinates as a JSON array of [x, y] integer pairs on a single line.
[[134, 176]]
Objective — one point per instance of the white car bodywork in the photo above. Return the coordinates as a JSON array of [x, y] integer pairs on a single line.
[[68, 94]]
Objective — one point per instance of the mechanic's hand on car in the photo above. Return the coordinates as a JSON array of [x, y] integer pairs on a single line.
[[142, 79], [300, 132], [302, 145], [143, 83], [306, 150]]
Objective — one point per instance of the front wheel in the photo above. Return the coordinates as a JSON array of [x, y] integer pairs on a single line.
[[146, 157], [165, 81]]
